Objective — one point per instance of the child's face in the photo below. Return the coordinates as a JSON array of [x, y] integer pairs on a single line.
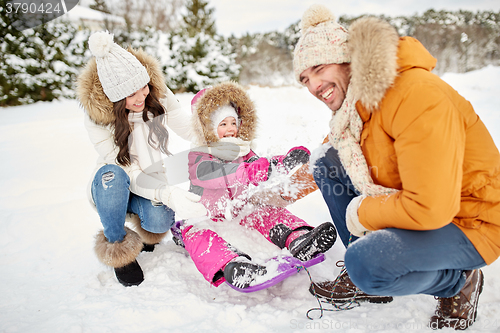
[[137, 101], [227, 128]]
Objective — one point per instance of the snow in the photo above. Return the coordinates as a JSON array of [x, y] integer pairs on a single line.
[[51, 280]]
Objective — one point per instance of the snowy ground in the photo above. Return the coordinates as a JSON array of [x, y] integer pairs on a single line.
[[51, 281]]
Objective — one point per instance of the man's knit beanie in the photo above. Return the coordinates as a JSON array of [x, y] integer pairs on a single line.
[[323, 41], [120, 73]]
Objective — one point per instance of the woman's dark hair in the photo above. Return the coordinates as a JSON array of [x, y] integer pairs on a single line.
[[158, 134]]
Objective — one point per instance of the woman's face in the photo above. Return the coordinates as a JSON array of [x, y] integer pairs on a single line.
[[137, 100]]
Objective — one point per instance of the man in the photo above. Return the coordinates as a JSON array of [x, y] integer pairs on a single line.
[[410, 169]]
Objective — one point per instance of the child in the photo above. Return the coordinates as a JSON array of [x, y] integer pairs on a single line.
[[224, 117], [127, 106]]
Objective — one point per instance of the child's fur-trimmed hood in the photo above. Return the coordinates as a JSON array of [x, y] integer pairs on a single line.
[[226, 93], [92, 97]]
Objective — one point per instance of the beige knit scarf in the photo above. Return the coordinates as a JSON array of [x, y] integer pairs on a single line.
[[345, 136]]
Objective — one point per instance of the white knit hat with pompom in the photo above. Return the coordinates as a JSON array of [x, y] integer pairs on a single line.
[[120, 73], [323, 41], [222, 113]]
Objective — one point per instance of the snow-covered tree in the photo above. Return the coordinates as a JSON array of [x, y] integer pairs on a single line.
[[199, 18], [198, 62], [199, 57], [41, 63]]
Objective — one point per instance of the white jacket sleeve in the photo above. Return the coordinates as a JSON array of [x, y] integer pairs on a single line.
[[178, 118], [103, 140]]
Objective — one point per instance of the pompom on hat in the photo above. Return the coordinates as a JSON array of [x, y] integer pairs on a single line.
[[323, 41], [120, 73]]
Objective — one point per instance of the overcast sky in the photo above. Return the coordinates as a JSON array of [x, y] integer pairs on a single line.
[[241, 16]]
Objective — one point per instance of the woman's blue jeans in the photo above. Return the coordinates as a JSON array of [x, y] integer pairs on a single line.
[[113, 199], [395, 262]]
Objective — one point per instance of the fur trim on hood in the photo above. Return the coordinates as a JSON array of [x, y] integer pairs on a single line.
[[91, 95], [225, 93], [373, 44]]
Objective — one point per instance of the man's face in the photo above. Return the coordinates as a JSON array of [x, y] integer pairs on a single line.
[[328, 83]]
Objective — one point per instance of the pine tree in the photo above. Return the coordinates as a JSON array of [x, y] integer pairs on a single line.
[[9, 45], [40, 64], [199, 57], [199, 18]]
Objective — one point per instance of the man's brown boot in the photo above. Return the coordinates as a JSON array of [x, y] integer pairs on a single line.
[[342, 290], [460, 311]]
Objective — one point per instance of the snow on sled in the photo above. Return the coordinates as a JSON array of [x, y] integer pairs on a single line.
[[278, 269]]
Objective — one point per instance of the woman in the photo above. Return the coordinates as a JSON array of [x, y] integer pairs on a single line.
[[127, 107]]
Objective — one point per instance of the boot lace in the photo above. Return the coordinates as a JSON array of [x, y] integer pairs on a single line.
[[350, 304], [447, 306]]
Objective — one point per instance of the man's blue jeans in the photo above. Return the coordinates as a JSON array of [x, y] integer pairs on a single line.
[[113, 199], [394, 262]]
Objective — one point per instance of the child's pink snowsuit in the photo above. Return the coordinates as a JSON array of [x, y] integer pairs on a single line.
[[218, 183]]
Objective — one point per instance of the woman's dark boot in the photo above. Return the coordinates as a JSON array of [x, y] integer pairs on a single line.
[[121, 256]]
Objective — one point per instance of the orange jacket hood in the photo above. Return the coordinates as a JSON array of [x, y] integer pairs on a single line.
[[378, 56]]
